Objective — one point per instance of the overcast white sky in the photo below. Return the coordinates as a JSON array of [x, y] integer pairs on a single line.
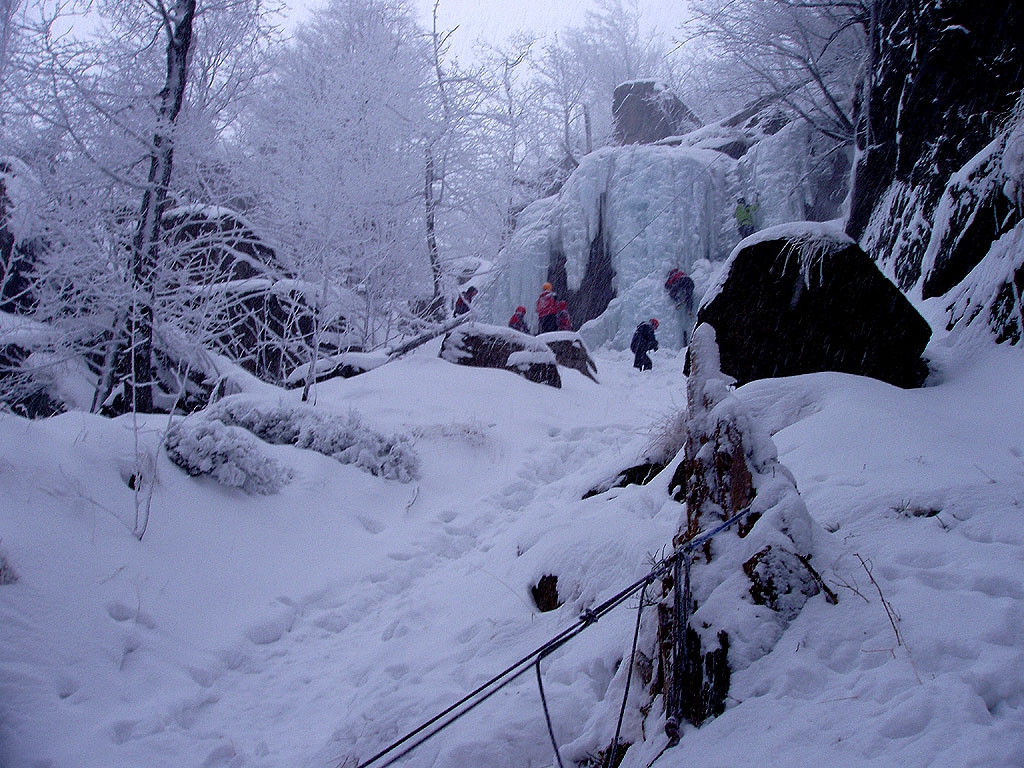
[[495, 20]]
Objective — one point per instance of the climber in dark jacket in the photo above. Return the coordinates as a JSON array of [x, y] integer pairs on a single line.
[[462, 305], [643, 342], [680, 289], [518, 320], [562, 316]]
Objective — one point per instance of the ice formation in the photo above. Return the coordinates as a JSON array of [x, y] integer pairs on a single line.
[[656, 207]]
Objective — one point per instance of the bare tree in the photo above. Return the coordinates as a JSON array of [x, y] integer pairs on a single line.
[[176, 21], [807, 52], [105, 120], [334, 156]]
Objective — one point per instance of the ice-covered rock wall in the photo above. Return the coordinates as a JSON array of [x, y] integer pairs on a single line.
[[628, 215], [944, 76]]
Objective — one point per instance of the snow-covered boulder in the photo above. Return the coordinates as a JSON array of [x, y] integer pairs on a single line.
[[570, 352], [35, 382], [803, 297], [491, 346], [260, 316], [646, 111]]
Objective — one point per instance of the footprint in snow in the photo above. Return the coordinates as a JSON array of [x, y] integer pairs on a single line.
[[122, 731], [222, 754], [67, 687], [119, 612], [369, 524]]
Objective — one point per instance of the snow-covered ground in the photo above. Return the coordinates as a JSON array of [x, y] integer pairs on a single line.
[[313, 626]]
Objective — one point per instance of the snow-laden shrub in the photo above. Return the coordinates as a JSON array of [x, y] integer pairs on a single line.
[[344, 438], [667, 436], [230, 455]]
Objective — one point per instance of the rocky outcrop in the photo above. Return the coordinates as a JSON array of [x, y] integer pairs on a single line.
[[19, 247], [646, 111], [803, 298], [491, 346], [981, 212], [942, 76], [973, 212], [570, 352], [258, 315], [989, 301]]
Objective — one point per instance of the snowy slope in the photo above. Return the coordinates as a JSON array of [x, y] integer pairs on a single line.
[[311, 627]]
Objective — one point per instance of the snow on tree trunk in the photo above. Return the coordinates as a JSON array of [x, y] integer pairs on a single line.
[[146, 242], [747, 583]]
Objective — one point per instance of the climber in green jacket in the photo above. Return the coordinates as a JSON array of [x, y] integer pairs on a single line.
[[745, 217]]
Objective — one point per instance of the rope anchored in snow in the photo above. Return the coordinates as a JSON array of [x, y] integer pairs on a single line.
[[432, 727]]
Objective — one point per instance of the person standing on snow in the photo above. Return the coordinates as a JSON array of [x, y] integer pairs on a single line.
[[518, 320], [547, 309], [465, 299], [643, 342]]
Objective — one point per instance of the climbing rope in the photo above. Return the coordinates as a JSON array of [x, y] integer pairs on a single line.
[[430, 728], [547, 715], [610, 758]]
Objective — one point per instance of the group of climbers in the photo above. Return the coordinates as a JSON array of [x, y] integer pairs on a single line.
[[552, 314]]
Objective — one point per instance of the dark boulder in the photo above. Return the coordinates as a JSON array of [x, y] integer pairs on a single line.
[[570, 352], [211, 244], [20, 393], [942, 75], [639, 474], [813, 301], [646, 111], [256, 312], [491, 346]]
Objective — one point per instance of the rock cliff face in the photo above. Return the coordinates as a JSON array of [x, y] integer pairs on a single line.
[[646, 111], [944, 77]]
